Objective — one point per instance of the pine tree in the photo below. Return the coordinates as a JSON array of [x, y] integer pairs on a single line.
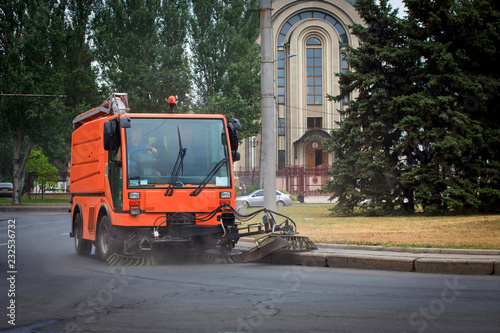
[[423, 127], [456, 137], [365, 161]]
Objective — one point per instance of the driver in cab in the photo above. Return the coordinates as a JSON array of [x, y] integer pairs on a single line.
[[142, 155]]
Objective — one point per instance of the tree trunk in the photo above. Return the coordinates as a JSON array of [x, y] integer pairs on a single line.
[[409, 206], [19, 166]]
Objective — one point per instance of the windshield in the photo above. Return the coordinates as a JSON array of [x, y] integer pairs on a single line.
[[176, 152]]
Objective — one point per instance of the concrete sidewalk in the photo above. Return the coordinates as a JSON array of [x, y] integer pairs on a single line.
[[35, 207]]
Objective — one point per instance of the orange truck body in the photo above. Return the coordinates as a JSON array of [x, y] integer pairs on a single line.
[[163, 189]]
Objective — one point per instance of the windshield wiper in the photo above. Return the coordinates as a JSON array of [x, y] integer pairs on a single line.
[[178, 166], [208, 177]]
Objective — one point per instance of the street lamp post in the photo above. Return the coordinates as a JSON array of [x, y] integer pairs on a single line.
[[254, 143], [268, 139]]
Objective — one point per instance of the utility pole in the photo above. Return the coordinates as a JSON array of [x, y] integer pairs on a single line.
[[268, 119]]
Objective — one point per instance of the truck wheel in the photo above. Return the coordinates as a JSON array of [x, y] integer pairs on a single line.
[[82, 246], [105, 246]]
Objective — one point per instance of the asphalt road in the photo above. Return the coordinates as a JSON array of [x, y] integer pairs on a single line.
[[58, 291]]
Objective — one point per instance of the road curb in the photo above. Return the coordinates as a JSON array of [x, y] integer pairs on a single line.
[[496, 267], [387, 263], [405, 262], [454, 266]]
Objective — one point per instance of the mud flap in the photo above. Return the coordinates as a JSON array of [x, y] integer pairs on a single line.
[[267, 246]]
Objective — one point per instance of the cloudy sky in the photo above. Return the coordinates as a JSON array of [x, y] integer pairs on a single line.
[[398, 4]]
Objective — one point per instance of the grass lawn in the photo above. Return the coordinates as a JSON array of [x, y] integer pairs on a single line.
[[474, 232]]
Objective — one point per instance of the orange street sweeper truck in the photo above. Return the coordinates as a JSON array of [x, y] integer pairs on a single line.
[[143, 181]]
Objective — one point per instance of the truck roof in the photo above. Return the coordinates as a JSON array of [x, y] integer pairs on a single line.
[[117, 103]]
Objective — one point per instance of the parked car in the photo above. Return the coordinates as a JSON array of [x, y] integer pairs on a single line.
[[256, 199], [6, 189]]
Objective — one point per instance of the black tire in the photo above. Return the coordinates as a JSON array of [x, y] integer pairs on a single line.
[[105, 245], [280, 204], [247, 204], [83, 247]]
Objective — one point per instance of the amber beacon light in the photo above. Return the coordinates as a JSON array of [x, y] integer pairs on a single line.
[[172, 103]]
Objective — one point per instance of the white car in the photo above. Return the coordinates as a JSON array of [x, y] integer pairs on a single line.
[[6, 189], [256, 199]]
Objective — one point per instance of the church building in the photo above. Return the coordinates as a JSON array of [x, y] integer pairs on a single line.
[[307, 40]]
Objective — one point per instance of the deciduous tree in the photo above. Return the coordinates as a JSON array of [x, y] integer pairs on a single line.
[[226, 59], [140, 48], [43, 55], [45, 174]]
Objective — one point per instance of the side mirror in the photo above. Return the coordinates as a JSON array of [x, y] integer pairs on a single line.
[[233, 127], [236, 124], [111, 135]]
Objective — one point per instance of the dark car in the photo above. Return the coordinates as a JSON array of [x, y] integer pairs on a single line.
[[6, 189]]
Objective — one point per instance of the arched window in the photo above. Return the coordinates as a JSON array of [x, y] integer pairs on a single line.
[[314, 55], [308, 15], [313, 41], [314, 71]]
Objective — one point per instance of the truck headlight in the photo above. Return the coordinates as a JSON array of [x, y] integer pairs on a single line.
[[135, 208], [134, 195]]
